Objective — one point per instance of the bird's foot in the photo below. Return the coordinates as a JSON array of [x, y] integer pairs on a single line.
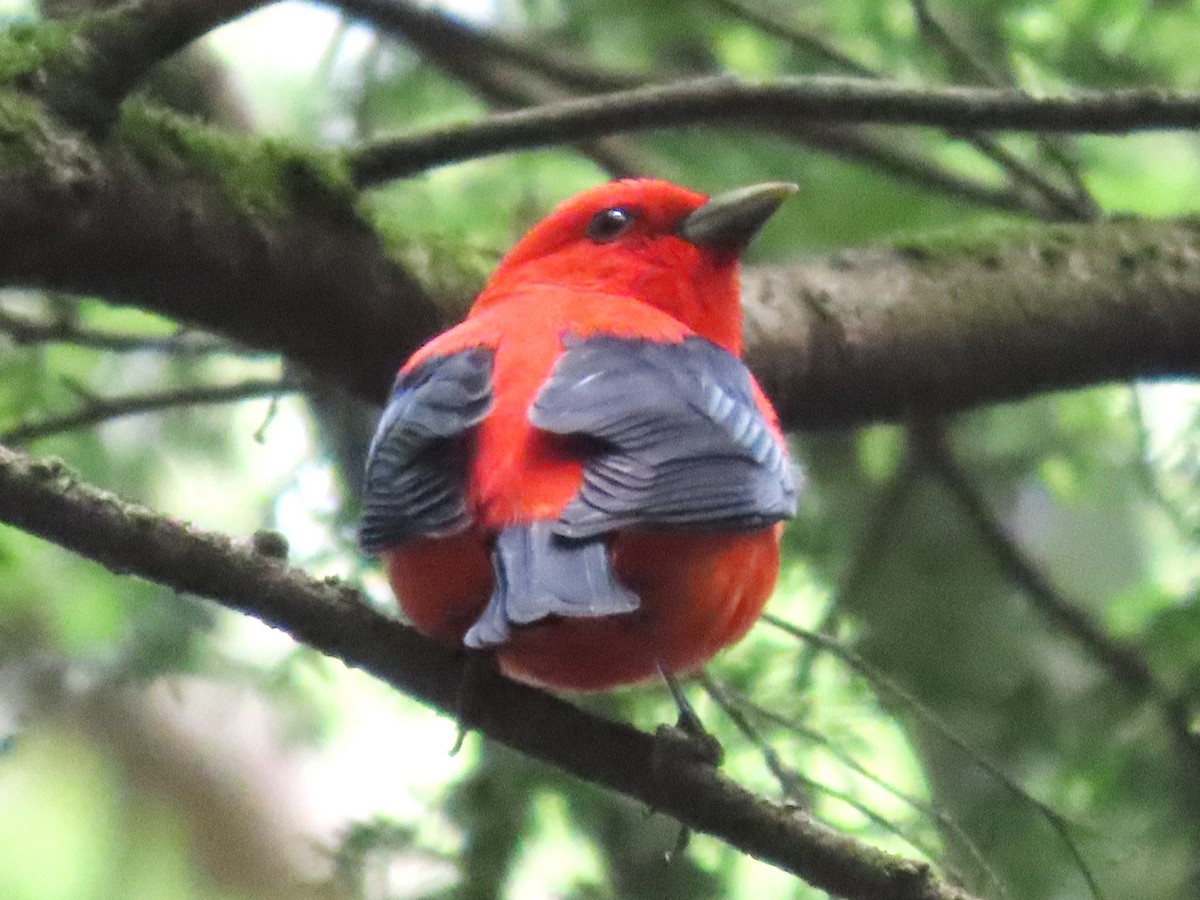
[[688, 731]]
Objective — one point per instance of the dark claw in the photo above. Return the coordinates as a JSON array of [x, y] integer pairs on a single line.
[[704, 747], [476, 669]]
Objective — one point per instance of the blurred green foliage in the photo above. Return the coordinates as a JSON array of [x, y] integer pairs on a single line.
[[1097, 487]]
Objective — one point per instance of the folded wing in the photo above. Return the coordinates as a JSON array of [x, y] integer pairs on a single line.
[[416, 466], [682, 442]]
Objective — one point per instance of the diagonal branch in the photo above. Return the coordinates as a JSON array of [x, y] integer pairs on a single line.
[[42, 497], [782, 103], [452, 41], [112, 50], [499, 71]]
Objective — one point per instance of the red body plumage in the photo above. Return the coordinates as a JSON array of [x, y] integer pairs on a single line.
[[699, 589]]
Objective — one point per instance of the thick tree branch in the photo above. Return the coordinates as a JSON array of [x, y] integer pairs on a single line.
[[930, 327], [943, 326], [43, 498], [782, 103], [314, 284]]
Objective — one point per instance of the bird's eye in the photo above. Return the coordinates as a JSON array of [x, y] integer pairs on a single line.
[[608, 224]]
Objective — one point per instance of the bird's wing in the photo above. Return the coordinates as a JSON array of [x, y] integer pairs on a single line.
[[416, 465], [681, 441]]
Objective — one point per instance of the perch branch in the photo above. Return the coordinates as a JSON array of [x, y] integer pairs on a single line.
[[43, 498]]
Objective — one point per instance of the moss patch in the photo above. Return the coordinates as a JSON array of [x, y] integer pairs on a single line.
[[30, 141], [28, 48], [263, 176], [988, 243]]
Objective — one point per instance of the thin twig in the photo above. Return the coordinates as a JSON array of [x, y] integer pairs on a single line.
[[792, 781], [108, 408], [32, 330], [854, 144], [1123, 660], [497, 70], [774, 106], [426, 27], [940, 817], [1078, 204], [806, 44], [1046, 199], [1056, 820], [868, 555]]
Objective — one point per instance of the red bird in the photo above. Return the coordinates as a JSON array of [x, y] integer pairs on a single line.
[[582, 475]]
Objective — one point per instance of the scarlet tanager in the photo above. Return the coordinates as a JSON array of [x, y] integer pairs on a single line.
[[583, 475]]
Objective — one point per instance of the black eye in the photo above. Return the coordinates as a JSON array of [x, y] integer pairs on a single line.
[[607, 224]]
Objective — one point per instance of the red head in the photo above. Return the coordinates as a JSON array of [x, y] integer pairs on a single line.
[[670, 247]]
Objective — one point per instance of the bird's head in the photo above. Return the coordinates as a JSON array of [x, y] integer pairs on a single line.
[[669, 247]]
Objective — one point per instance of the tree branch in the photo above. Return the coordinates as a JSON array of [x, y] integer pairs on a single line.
[[106, 408], [498, 71], [770, 106], [42, 497], [25, 330], [927, 328], [429, 29]]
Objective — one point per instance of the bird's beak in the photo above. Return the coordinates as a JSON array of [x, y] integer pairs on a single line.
[[729, 221]]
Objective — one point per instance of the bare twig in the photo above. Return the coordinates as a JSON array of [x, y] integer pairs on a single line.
[[770, 106], [1045, 199], [105, 409], [1078, 204], [24, 329], [869, 552], [499, 71], [793, 782], [806, 44], [43, 498], [471, 55], [856, 145]]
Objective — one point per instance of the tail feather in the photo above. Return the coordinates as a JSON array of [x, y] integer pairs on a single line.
[[540, 574]]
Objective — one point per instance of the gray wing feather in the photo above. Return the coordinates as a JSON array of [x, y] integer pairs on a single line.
[[416, 466], [682, 443]]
